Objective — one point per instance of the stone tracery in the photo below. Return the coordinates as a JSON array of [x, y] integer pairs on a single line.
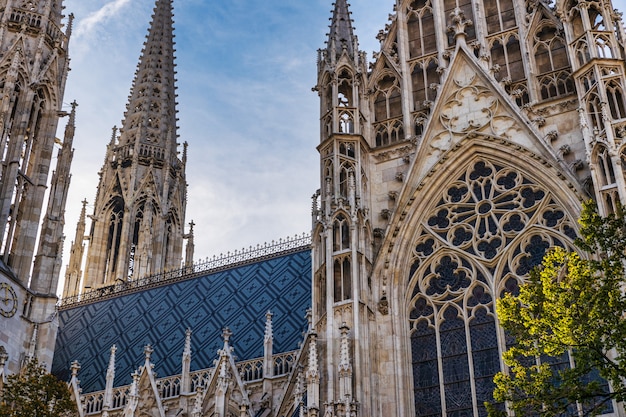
[[489, 228]]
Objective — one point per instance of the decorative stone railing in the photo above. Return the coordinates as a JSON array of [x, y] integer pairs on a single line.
[[209, 265], [169, 387]]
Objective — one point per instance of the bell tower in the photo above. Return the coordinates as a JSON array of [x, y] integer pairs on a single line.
[[342, 255], [139, 211], [34, 64]]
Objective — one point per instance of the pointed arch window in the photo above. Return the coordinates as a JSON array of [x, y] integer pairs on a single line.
[[488, 228], [499, 15], [342, 271], [554, 73], [596, 18], [387, 101], [421, 28], [615, 96], [341, 234], [388, 111], [605, 166], [425, 79], [345, 90], [114, 237], [594, 110], [506, 54], [345, 173]]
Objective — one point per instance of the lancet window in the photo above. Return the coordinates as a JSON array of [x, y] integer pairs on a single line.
[[594, 110], [114, 236], [499, 15], [341, 234], [421, 28], [615, 98], [345, 173], [388, 111], [488, 229], [506, 56], [425, 79], [606, 178], [342, 271], [554, 73], [387, 102]]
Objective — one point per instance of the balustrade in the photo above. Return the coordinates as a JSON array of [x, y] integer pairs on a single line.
[[209, 265]]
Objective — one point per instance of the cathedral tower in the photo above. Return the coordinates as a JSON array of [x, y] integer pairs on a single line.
[[33, 70], [342, 232], [138, 219]]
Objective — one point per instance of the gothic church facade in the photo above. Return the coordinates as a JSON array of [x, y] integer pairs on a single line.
[[34, 63], [448, 166]]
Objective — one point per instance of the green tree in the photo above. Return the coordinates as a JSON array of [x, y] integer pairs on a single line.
[[36, 393], [569, 306]]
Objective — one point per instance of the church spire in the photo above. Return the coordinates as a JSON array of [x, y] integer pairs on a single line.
[[341, 35], [150, 116], [139, 212]]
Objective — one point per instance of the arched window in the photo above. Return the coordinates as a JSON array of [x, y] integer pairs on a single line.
[[421, 28], [596, 18], [425, 80], [342, 278], [594, 110], [387, 102], [345, 98], [615, 96], [485, 232], [506, 53], [341, 234], [344, 177], [605, 166], [113, 237], [553, 71], [499, 15], [387, 110]]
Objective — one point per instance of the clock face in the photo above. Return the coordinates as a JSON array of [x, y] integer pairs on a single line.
[[8, 300]]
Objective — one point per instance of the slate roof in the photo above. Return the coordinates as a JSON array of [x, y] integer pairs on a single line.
[[236, 297]]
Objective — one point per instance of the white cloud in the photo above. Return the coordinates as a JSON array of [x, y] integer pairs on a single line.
[[88, 24]]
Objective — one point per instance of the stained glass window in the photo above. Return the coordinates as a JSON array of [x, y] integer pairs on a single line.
[[489, 227]]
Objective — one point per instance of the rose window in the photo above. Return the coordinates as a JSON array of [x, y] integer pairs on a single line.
[[490, 226]]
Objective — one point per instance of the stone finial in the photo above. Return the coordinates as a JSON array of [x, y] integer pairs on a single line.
[[226, 334], [187, 351], [113, 135], [313, 372], [75, 367], [111, 368], [269, 333], [185, 381], [459, 23], [147, 351], [344, 355]]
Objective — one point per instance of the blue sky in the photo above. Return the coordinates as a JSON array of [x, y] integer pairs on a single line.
[[245, 72]]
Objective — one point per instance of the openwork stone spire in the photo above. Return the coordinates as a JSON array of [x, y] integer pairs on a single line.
[[341, 34], [151, 111], [139, 211]]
